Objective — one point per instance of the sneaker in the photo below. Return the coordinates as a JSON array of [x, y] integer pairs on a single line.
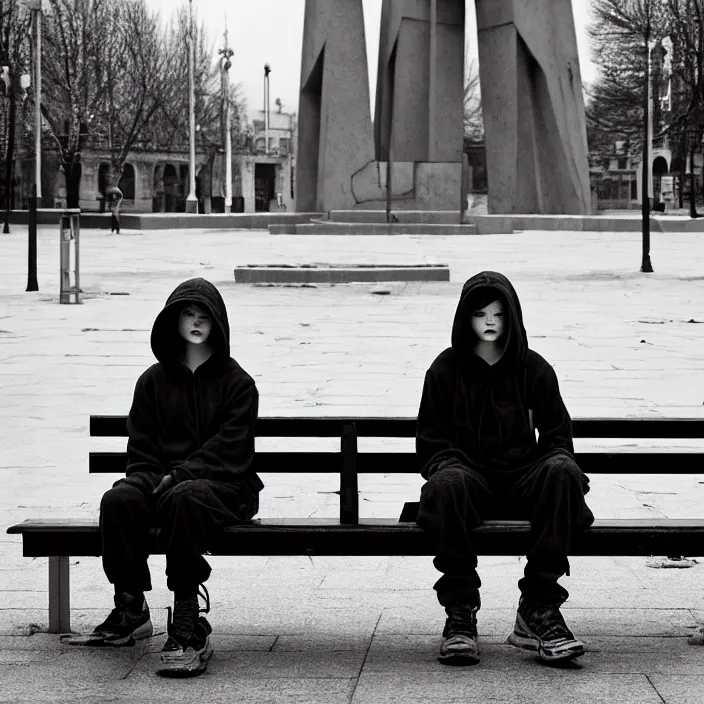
[[459, 645], [540, 627], [187, 648], [124, 626]]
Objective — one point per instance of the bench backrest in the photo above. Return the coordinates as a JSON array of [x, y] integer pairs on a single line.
[[348, 462]]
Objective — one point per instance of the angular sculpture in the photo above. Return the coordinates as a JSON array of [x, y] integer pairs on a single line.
[[334, 119], [534, 123], [419, 98]]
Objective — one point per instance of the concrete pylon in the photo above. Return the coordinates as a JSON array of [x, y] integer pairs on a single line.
[[534, 123], [335, 139], [419, 99]]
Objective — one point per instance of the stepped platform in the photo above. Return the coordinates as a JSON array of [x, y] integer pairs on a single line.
[[328, 227]]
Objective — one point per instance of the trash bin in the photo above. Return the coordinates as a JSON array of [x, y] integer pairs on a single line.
[[238, 204], [69, 231]]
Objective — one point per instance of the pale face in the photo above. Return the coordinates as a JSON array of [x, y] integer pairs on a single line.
[[194, 324], [488, 322]]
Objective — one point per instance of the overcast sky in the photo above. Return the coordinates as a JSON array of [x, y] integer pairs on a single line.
[[271, 31]]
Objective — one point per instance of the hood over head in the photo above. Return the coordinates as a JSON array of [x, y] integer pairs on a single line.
[[167, 343], [479, 291]]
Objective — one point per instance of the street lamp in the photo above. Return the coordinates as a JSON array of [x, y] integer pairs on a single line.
[[226, 54], [646, 266], [35, 6], [267, 71], [191, 201]]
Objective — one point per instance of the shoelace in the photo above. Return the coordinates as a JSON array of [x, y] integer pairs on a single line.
[[181, 621], [462, 621], [549, 623]]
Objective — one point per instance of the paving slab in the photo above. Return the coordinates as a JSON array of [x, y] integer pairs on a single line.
[[679, 689], [532, 686]]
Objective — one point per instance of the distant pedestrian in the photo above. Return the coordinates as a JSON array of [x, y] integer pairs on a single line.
[[114, 198], [189, 472], [482, 400]]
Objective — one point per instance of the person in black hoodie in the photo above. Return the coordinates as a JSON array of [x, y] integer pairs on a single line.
[[483, 398], [189, 471]]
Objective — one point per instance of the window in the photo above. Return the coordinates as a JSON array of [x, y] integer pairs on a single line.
[[623, 163]]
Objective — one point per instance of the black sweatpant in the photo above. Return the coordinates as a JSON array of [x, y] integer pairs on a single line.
[[549, 493], [189, 515], [115, 221]]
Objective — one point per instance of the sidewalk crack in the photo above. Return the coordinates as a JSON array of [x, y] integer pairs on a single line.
[[647, 677], [364, 661]]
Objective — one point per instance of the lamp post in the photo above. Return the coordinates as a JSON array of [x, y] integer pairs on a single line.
[[227, 53], [35, 6], [191, 201], [646, 265], [267, 71]]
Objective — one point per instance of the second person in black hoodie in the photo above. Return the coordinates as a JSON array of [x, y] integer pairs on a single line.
[[483, 398]]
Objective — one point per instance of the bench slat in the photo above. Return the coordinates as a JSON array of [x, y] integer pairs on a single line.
[[667, 428], [646, 536], [406, 463]]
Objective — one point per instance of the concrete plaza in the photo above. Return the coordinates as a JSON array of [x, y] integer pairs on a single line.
[[359, 630]]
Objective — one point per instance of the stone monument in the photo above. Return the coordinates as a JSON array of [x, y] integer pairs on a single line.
[[532, 100]]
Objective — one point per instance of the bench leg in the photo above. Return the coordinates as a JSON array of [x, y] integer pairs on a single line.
[[59, 595]]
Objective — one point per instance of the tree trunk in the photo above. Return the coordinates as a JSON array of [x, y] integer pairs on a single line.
[[9, 176], [72, 173], [692, 186]]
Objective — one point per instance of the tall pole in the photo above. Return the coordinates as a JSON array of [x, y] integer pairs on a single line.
[[11, 88], [38, 101], [267, 71], [646, 265], [226, 55], [36, 198], [191, 201]]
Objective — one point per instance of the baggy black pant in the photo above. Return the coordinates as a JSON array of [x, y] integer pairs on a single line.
[[549, 493], [189, 515]]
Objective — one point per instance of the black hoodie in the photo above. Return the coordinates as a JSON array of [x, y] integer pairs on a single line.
[[194, 425], [481, 415]]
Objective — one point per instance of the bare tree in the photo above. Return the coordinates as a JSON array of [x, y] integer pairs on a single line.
[[14, 54], [473, 117], [687, 126], [136, 66], [619, 34], [170, 125], [75, 31]]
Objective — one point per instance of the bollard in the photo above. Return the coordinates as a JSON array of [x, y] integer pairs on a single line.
[[69, 231]]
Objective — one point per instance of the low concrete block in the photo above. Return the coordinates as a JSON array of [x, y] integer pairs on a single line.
[[339, 274], [492, 224], [282, 229], [334, 228]]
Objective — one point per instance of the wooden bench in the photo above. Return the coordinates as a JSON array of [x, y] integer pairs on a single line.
[[60, 539]]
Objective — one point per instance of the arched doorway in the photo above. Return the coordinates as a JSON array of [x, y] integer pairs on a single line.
[[660, 169], [126, 184], [103, 172], [170, 188]]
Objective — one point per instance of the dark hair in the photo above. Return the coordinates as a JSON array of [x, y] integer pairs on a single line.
[[484, 296]]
